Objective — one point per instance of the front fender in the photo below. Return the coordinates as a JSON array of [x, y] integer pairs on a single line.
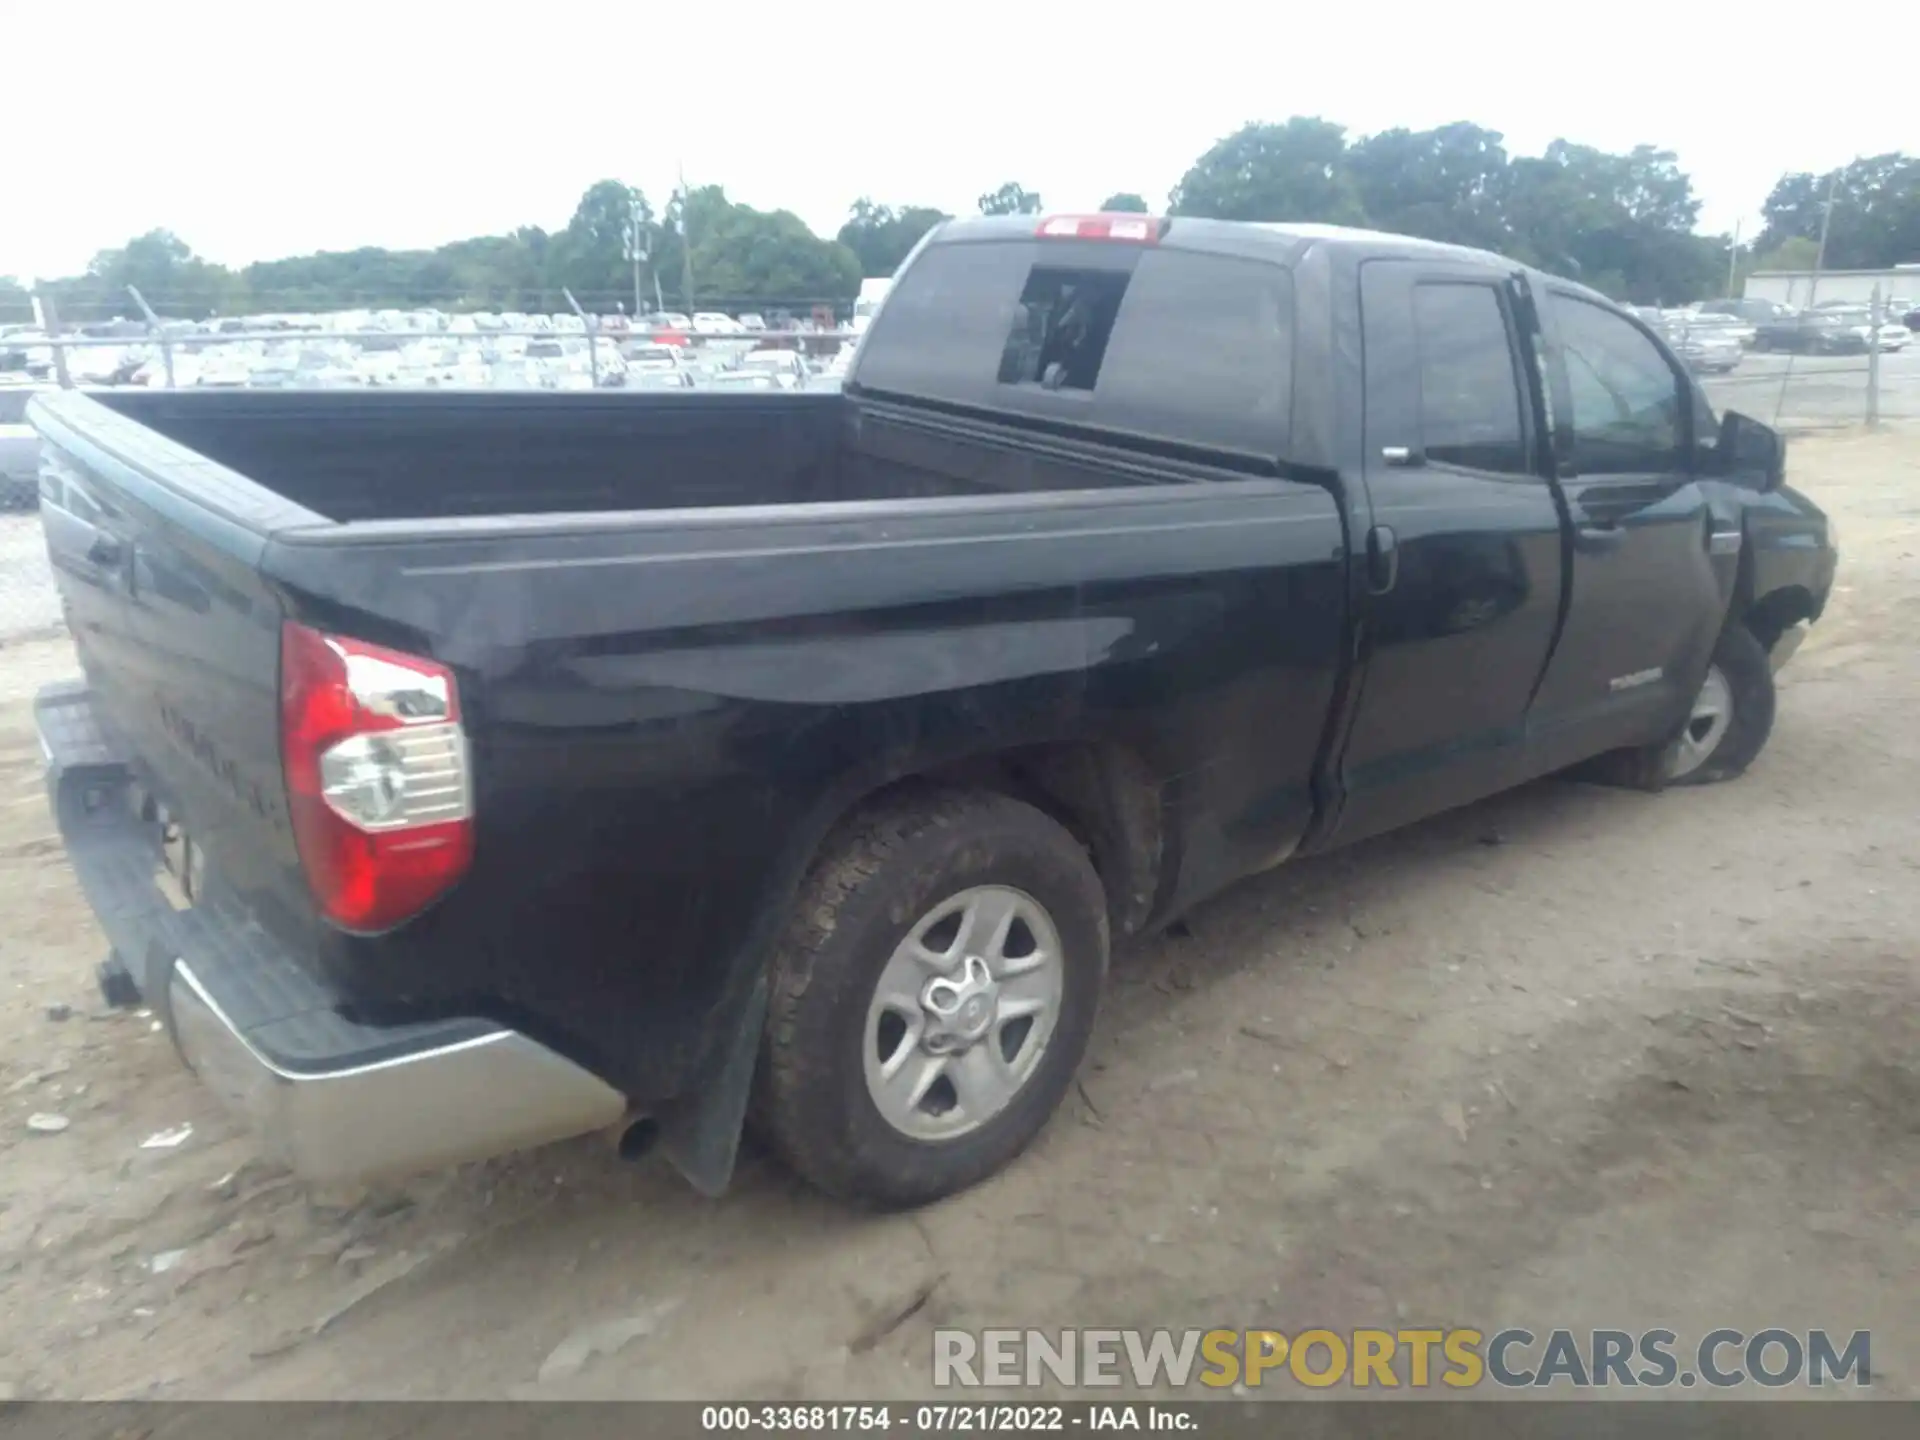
[[1788, 561]]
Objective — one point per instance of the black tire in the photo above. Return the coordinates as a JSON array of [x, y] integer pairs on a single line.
[[1742, 659], [881, 873]]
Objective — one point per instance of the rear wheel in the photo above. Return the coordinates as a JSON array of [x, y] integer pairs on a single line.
[[932, 998]]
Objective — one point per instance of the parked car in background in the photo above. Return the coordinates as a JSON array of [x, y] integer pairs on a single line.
[[1857, 318], [1741, 330], [1754, 311], [19, 450], [1706, 347], [711, 322], [668, 328], [745, 380], [24, 352], [786, 367], [1814, 332], [652, 355], [658, 379]]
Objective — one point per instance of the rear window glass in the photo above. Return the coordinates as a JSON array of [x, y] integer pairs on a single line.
[[1060, 332], [1202, 354], [1169, 345], [943, 332]]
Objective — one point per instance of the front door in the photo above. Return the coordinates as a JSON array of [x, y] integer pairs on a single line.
[[1466, 566], [1646, 601]]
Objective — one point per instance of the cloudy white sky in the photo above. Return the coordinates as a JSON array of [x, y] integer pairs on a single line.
[[262, 130]]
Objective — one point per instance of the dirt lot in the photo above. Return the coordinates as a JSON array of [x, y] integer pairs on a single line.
[[1571, 1057]]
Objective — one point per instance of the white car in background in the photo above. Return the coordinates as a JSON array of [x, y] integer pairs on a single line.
[[227, 366], [19, 450], [789, 371], [711, 322]]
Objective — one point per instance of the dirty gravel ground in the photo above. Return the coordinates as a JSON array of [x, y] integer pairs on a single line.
[[1570, 1057]]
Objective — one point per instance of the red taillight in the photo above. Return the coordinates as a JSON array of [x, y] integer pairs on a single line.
[[377, 783], [1140, 229]]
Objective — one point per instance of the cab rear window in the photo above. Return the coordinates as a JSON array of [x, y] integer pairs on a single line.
[[1152, 342]]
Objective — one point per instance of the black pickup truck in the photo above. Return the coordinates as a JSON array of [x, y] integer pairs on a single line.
[[456, 772]]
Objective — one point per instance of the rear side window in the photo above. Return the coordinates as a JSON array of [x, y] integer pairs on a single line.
[[1469, 395]]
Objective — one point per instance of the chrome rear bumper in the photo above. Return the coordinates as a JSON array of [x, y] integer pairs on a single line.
[[338, 1099], [422, 1110]]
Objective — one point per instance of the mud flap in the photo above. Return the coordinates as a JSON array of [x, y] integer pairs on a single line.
[[700, 1132]]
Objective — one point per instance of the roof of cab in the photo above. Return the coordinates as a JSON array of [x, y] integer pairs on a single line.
[[1283, 243], [1280, 243]]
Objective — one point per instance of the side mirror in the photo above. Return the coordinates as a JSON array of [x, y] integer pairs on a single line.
[[1750, 454]]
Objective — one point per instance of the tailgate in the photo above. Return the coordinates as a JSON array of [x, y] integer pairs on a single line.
[[155, 551]]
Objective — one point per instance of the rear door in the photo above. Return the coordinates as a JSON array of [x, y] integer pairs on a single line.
[[1464, 557], [1648, 564]]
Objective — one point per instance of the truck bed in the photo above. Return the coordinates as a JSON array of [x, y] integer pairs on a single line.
[[675, 670], [391, 455]]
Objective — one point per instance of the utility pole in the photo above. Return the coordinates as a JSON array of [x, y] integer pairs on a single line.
[[157, 330], [1733, 258], [1826, 224], [591, 324], [635, 246], [686, 245], [48, 314], [1873, 361]]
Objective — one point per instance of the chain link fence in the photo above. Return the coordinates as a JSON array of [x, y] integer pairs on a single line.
[[1810, 393]]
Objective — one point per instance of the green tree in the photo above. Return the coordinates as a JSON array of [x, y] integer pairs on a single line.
[[1010, 199], [1876, 212], [742, 256], [1796, 252], [1619, 223], [592, 257], [1125, 202], [881, 236], [16, 305], [173, 280], [1445, 184], [1295, 171]]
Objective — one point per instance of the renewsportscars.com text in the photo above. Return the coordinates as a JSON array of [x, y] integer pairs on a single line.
[[1457, 1358]]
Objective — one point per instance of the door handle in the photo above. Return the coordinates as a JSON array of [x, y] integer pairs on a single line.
[[1598, 537], [1383, 559], [105, 551]]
